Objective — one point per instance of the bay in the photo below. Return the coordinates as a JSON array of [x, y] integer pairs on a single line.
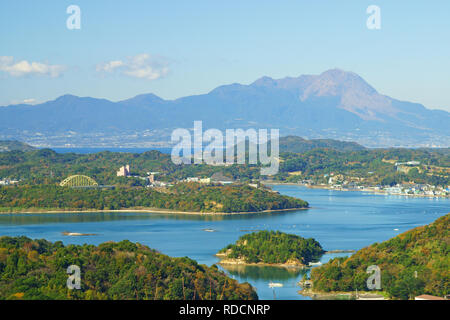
[[339, 220]]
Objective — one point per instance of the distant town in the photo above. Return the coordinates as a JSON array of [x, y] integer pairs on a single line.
[[339, 182]]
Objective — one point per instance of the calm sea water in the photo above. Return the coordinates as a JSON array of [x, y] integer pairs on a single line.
[[337, 219]]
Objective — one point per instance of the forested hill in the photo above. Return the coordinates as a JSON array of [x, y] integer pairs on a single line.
[[413, 263], [298, 144], [12, 145], [36, 269]]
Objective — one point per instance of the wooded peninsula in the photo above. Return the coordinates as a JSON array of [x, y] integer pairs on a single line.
[[412, 263]]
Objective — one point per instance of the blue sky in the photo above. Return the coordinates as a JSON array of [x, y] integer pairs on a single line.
[[178, 48]]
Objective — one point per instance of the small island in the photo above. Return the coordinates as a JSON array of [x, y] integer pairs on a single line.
[[272, 248]]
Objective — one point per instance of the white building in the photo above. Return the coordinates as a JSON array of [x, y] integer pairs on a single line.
[[124, 171]]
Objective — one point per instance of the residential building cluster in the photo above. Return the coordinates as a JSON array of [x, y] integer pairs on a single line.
[[197, 179], [399, 189], [417, 189], [217, 177]]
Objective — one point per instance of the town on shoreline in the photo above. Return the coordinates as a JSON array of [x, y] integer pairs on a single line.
[[409, 190]]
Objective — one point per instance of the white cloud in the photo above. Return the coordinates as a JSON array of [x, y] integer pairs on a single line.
[[23, 68], [109, 66], [143, 66]]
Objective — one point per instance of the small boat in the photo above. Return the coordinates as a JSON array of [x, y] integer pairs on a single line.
[[395, 229], [209, 230], [312, 264], [275, 285]]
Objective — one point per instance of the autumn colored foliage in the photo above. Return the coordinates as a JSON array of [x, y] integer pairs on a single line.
[[36, 269]]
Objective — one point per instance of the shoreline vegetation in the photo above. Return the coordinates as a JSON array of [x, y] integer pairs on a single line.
[[142, 210], [271, 248], [226, 261], [340, 251], [288, 264]]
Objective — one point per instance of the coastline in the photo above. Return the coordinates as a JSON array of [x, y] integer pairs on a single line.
[[241, 262], [289, 264], [344, 295], [340, 251], [376, 192], [146, 210]]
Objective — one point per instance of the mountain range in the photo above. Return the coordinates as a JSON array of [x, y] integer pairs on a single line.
[[333, 105]]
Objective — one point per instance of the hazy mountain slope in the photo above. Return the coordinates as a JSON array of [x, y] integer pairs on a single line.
[[335, 104], [298, 144], [12, 145]]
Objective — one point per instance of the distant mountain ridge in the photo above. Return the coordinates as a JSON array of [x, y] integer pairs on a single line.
[[333, 105], [11, 145]]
